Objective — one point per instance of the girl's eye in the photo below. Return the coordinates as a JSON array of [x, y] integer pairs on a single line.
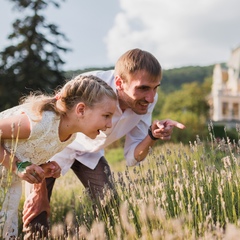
[[108, 116]]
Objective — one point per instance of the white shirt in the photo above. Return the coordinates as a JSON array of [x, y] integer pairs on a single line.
[[89, 151]]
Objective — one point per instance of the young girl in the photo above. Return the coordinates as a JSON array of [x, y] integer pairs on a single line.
[[32, 132]]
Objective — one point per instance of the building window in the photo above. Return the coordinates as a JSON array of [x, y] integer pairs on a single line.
[[235, 110], [224, 108]]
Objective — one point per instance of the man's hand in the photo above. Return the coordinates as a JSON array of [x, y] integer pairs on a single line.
[[51, 169], [36, 203], [163, 129]]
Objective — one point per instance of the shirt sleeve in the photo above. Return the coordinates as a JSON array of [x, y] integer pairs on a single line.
[[137, 134]]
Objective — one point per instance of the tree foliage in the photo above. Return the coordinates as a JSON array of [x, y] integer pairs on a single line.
[[190, 98], [189, 106], [32, 61]]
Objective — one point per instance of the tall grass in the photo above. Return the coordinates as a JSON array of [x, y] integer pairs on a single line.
[[179, 192]]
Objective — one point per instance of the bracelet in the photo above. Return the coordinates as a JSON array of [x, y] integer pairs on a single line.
[[150, 134], [21, 166]]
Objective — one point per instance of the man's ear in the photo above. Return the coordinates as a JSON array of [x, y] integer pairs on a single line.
[[118, 82], [80, 108]]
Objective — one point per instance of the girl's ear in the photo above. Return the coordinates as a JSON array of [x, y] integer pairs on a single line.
[[118, 82], [80, 108]]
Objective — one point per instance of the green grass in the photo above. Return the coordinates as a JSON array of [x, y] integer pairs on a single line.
[[114, 155], [179, 192]]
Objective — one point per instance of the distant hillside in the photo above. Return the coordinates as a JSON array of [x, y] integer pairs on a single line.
[[172, 78]]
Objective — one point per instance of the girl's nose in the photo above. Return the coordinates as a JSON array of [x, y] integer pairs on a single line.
[[109, 123]]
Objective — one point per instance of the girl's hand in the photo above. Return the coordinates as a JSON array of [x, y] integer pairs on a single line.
[[51, 169], [32, 173]]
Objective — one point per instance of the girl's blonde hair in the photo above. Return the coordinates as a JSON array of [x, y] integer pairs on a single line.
[[88, 89], [135, 60]]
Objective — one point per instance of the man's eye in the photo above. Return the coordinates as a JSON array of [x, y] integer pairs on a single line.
[[144, 88]]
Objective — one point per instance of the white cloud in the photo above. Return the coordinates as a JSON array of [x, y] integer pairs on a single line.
[[177, 32]]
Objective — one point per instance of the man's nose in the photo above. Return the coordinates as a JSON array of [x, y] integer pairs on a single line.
[[150, 96]]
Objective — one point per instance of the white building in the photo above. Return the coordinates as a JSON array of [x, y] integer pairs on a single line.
[[225, 95]]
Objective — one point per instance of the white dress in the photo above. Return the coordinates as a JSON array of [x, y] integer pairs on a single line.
[[41, 145]]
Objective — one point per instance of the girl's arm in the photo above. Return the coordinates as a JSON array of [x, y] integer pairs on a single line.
[[32, 173], [12, 128], [15, 127]]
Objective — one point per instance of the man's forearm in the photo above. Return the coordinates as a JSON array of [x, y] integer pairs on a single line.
[[36, 203], [142, 149], [40, 187]]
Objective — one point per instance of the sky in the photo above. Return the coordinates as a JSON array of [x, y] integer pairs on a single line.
[[178, 33]]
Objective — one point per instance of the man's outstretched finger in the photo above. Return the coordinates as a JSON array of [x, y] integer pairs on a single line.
[[173, 123], [179, 125]]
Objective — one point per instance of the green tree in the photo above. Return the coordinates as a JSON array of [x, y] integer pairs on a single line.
[[33, 62], [190, 98], [189, 106], [158, 107]]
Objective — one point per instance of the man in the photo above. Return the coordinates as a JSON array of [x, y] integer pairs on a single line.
[[136, 78]]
